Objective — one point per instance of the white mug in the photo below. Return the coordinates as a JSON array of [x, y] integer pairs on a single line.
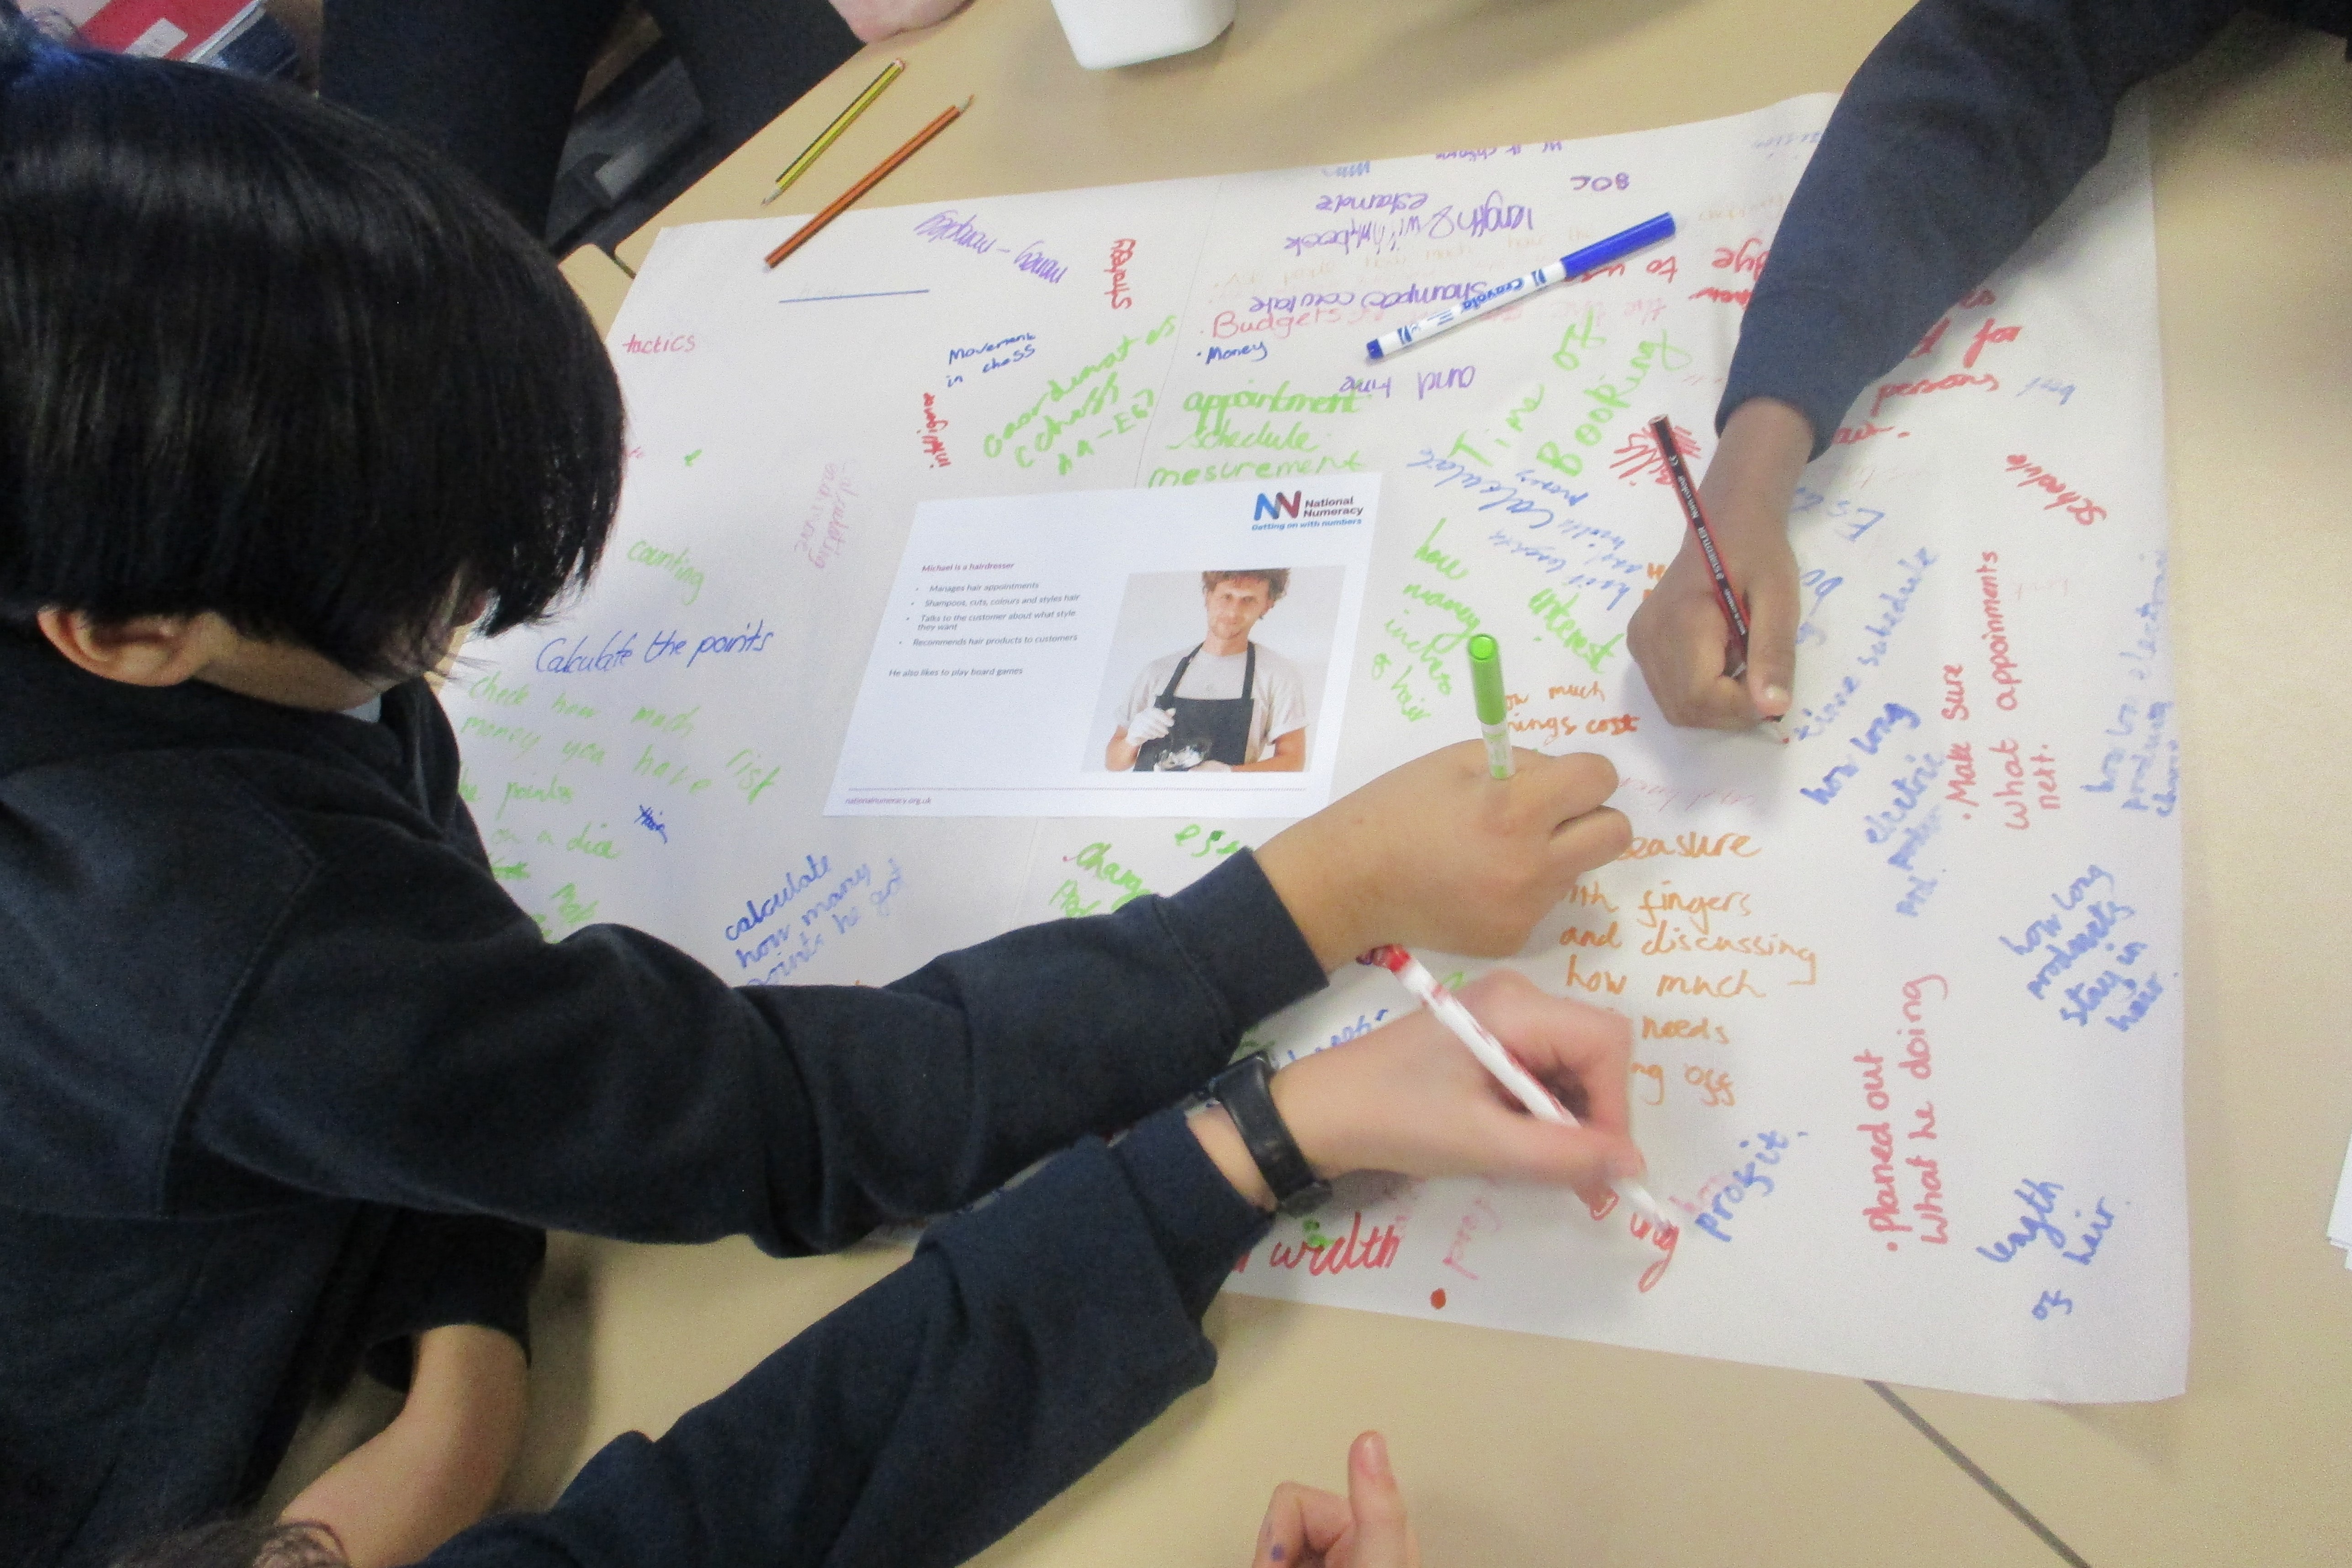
[[1106, 33]]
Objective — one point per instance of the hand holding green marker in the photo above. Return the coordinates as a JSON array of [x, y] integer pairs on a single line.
[[1487, 688]]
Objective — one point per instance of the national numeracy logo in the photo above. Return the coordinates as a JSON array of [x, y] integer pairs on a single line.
[[1277, 505]]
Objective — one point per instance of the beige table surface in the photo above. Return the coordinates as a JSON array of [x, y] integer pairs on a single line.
[[1516, 1449]]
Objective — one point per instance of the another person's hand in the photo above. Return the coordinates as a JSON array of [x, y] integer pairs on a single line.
[[1306, 1527], [1438, 853], [1410, 1098], [438, 1467], [1149, 724], [1679, 636]]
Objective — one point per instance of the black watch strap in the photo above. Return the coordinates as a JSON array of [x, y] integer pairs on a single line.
[[1243, 1091]]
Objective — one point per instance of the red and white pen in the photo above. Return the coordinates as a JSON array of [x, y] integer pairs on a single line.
[[1496, 1058]]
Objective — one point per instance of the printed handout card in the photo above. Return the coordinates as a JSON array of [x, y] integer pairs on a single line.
[[1114, 653]]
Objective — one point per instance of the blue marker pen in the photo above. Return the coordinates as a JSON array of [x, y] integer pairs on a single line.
[[1575, 264]]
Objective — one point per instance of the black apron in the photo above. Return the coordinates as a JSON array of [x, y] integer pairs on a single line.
[[1207, 729]]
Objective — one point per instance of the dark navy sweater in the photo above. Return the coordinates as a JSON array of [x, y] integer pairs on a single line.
[[265, 1014], [1963, 130]]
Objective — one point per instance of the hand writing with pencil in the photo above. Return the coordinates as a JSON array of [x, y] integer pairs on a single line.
[[1679, 636]]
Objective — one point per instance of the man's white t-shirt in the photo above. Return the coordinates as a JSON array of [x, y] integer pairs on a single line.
[[1280, 707]]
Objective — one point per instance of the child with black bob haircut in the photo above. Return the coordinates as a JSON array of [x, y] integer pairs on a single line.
[[288, 1080]]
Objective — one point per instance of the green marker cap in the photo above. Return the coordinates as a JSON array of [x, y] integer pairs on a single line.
[[1486, 678]]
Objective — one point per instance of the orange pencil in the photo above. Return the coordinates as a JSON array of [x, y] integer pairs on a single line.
[[841, 202]]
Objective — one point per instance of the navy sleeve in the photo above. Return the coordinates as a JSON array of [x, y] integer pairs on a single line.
[[441, 1268], [412, 1041], [1964, 130], [930, 1415]]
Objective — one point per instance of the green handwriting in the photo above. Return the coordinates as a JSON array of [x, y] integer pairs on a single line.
[[1218, 473], [586, 842], [555, 791], [1560, 619], [1094, 858], [680, 725], [665, 771], [744, 769], [1450, 568], [1209, 845], [513, 735], [673, 562]]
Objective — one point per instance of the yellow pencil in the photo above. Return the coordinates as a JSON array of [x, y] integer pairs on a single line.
[[799, 165], [841, 202]]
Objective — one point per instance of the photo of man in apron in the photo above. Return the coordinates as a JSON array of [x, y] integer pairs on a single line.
[[1229, 703]]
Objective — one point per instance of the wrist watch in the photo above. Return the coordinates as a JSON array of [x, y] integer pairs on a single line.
[[1243, 1090]]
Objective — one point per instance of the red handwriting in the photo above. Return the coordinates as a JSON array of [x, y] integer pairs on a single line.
[[1642, 1231], [1919, 1055], [1740, 296], [1977, 301], [1482, 1217], [2028, 781], [2080, 508], [1847, 434], [1964, 776], [2005, 677], [1664, 267], [1637, 457], [1956, 692], [1360, 1249], [1988, 335], [825, 528], [2010, 796], [1750, 258], [680, 343], [934, 449], [1122, 251], [1924, 1220], [1919, 388]]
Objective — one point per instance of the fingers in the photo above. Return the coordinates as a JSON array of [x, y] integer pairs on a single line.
[[1589, 842], [1383, 1536], [1563, 789], [1559, 1038], [1583, 1054], [1302, 1524], [1568, 790], [1772, 618], [1679, 639]]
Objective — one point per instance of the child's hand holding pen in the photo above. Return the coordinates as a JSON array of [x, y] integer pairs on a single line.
[[1407, 1098], [1679, 636], [1438, 853]]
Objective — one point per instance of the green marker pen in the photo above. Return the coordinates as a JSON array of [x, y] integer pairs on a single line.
[[1486, 686]]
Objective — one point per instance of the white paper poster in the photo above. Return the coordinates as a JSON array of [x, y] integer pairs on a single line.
[[1905, 992]]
